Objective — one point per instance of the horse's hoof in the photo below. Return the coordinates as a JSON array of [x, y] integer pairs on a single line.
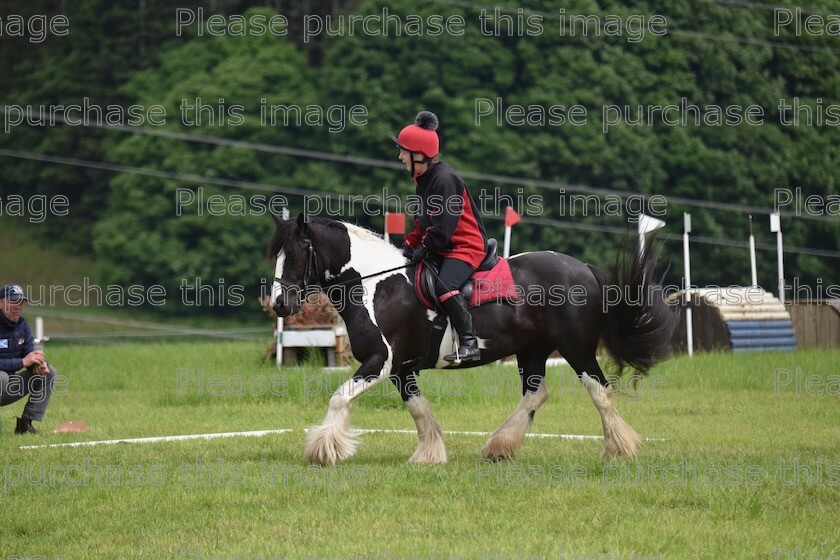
[[326, 445], [496, 456], [424, 460], [485, 459], [502, 445]]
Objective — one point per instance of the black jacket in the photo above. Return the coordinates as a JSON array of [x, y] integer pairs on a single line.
[[15, 342], [448, 222]]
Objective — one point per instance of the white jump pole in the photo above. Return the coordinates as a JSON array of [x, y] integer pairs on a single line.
[[506, 251], [776, 227], [40, 339], [689, 298], [753, 273], [279, 352], [387, 235]]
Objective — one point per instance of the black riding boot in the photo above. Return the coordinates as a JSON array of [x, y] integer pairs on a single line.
[[459, 316]]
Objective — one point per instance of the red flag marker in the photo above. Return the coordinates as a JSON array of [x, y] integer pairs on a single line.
[[395, 223], [511, 217]]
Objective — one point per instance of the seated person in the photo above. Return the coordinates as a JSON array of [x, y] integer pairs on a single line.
[[17, 351]]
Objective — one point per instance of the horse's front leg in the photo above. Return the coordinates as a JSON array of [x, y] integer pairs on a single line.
[[430, 446], [332, 440]]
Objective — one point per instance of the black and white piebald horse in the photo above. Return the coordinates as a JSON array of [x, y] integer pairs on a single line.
[[389, 327]]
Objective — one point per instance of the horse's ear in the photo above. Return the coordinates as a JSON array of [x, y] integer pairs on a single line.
[[277, 219], [302, 224]]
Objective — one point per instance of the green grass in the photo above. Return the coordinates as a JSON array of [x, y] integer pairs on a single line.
[[712, 489]]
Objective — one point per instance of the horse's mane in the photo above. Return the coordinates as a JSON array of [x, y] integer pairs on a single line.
[[287, 233], [364, 233]]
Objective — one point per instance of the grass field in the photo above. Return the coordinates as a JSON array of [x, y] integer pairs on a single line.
[[749, 466]]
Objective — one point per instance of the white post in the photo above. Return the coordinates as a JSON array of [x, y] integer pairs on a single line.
[[39, 333], [781, 266], [776, 227], [279, 353], [506, 250], [689, 322], [753, 273], [387, 236]]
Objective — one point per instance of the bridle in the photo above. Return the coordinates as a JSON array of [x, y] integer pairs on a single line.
[[305, 288]]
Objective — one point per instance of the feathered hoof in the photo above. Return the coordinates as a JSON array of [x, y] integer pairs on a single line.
[[433, 454], [622, 442], [325, 445], [502, 446]]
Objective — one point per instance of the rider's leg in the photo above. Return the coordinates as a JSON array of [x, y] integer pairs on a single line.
[[453, 274]]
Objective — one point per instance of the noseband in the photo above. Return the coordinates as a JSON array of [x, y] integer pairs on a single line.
[[304, 287]]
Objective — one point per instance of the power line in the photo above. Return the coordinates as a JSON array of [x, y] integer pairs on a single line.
[[673, 32], [157, 328], [85, 337], [187, 177], [749, 41], [488, 177], [378, 200], [217, 141], [677, 237], [774, 7]]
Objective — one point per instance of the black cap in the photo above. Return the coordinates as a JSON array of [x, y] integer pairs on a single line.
[[13, 293]]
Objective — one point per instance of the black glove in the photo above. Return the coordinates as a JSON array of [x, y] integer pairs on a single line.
[[420, 253], [408, 253]]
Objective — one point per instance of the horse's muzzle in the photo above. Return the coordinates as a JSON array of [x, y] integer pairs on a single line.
[[285, 306]]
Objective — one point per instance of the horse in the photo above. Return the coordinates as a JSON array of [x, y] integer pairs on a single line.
[[370, 282]]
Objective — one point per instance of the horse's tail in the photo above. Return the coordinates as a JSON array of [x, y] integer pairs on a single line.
[[639, 325]]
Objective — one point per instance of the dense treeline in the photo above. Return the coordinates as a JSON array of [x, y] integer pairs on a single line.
[[153, 230]]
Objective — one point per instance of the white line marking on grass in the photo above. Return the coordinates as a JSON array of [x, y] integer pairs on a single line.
[[157, 439], [260, 433], [461, 433], [485, 434]]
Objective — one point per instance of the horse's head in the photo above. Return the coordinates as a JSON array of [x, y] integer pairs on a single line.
[[323, 253], [309, 254], [297, 271]]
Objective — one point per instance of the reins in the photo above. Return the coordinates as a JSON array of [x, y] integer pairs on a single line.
[[331, 284], [312, 262]]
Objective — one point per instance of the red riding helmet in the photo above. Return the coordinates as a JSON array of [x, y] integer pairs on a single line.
[[420, 136]]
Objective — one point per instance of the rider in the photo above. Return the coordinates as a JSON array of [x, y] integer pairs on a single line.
[[447, 225]]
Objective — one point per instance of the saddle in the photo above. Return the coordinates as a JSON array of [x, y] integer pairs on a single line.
[[492, 280]]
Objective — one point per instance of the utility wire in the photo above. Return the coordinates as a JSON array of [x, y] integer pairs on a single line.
[[677, 237], [377, 200], [749, 41], [488, 177], [187, 177], [157, 328], [774, 7], [673, 32]]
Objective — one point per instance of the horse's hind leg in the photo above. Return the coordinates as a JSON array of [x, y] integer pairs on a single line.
[[507, 440], [620, 440], [430, 448]]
